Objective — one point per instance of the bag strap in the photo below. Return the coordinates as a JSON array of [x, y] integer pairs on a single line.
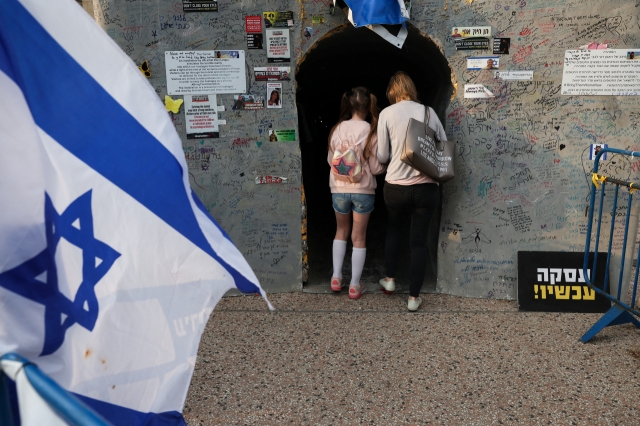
[[427, 117]]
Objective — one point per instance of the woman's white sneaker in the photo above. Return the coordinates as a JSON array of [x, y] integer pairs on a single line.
[[413, 305], [389, 286]]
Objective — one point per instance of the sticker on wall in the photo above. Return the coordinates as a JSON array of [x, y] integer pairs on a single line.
[[284, 135], [172, 105], [478, 43], [514, 75], [278, 46], [595, 149], [272, 73], [201, 116], [278, 19], [270, 179], [247, 102], [501, 45], [199, 5], [308, 32], [477, 91], [274, 92], [253, 24], [317, 19], [471, 38], [189, 72], [254, 41], [144, 69], [483, 62]]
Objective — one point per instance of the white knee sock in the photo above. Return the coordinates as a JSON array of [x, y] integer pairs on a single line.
[[357, 264], [339, 249]]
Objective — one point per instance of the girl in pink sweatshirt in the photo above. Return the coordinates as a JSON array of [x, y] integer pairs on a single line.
[[353, 196]]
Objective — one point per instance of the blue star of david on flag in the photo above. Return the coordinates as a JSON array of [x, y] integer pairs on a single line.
[[75, 225], [343, 168]]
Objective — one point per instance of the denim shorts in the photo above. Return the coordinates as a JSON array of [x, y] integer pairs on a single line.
[[359, 203]]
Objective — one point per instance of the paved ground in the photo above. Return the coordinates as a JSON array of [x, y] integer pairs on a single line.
[[323, 359]]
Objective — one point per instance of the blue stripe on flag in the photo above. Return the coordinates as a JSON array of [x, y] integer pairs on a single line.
[[72, 108], [119, 415], [370, 12]]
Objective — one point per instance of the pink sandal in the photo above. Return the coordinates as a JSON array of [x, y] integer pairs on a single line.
[[356, 291], [336, 284]]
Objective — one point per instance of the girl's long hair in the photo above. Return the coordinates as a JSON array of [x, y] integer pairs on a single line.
[[365, 103]]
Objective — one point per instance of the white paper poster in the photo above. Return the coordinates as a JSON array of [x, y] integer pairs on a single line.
[[201, 116], [477, 91], [612, 72], [274, 95], [205, 72], [278, 45]]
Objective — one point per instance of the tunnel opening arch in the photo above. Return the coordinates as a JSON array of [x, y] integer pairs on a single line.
[[343, 58]]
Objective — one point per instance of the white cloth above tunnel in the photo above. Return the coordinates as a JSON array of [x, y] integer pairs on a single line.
[[384, 17]]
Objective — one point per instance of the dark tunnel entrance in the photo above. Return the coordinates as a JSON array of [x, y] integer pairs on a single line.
[[346, 58]]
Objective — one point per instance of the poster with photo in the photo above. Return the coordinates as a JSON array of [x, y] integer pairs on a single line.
[[274, 95], [284, 135], [201, 116], [277, 19], [278, 46], [247, 102], [272, 73], [501, 45], [595, 150], [483, 62], [254, 41]]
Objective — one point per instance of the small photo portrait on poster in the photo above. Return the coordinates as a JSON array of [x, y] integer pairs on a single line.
[[633, 55], [272, 136], [274, 92]]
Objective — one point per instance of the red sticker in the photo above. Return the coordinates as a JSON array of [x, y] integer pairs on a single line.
[[253, 24]]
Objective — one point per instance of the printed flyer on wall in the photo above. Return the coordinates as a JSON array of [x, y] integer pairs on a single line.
[[278, 46], [274, 92], [278, 19], [201, 116], [190, 72], [272, 73]]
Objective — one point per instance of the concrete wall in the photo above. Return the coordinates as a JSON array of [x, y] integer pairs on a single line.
[[522, 168]]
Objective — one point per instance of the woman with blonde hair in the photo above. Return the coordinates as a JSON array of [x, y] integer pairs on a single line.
[[410, 195], [353, 201]]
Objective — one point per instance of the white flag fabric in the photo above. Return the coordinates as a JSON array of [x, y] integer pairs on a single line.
[[109, 264]]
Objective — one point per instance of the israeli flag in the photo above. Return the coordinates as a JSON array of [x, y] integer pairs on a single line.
[[109, 264], [384, 17]]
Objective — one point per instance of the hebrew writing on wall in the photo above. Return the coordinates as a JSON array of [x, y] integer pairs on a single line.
[[528, 91]]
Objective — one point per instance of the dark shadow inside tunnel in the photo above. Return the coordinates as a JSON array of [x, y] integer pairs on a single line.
[[345, 58]]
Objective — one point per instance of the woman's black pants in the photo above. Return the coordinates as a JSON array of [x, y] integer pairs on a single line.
[[416, 203]]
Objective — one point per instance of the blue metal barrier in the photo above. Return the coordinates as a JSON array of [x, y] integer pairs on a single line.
[[620, 312], [64, 404]]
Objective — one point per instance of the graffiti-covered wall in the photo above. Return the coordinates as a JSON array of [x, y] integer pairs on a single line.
[[524, 143]]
